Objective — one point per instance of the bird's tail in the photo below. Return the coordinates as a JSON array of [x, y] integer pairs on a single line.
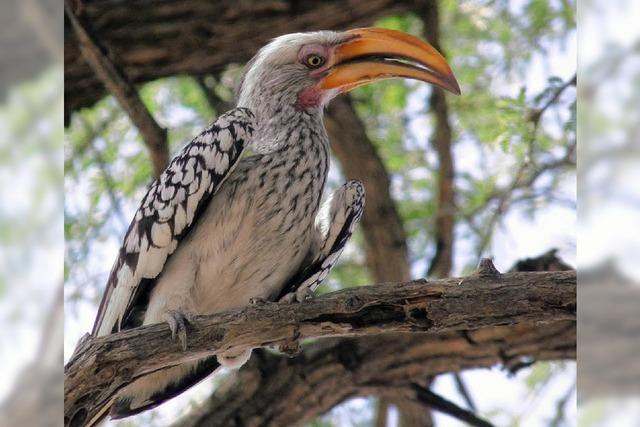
[[154, 389]]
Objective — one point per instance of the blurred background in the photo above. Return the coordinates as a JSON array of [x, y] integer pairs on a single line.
[[609, 208], [31, 212], [490, 173]]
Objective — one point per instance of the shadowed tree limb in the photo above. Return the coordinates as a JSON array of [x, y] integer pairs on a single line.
[[273, 390], [197, 37], [216, 103], [429, 398], [463, 391], [442, 140], [117, 83], [536, 114], [548, 261], [102, 366]]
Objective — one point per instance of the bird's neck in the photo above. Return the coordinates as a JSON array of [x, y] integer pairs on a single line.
[[294, 148], [284, 125]]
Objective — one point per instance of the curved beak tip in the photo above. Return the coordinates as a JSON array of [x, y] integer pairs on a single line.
[[453, 86]]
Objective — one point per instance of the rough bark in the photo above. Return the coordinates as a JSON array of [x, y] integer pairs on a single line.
[[166, 37], [102, 366], [274, 390]]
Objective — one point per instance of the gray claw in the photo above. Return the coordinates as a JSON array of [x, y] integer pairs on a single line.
[[304, 294], [300, 295], [178, 324]]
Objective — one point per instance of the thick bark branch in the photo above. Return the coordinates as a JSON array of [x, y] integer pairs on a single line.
[[102, 366], [196, 37], [117, 83], [328, 372], [274, 390]]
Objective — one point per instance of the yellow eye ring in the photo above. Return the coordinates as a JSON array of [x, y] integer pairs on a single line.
[[314, 61]]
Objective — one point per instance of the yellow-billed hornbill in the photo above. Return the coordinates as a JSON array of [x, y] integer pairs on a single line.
[[217, 229]]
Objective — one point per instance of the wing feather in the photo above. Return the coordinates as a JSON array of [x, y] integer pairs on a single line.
[[336, 223], [168, 210]]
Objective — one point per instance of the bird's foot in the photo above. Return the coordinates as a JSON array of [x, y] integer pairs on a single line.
[[257, 301], [178, 324], [300, 295]]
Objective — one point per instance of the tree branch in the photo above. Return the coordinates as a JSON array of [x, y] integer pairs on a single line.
[[536, 114], [217, 104], [461, 387], [117, 83], [501, 199], [429, 398], [198, 37], [102, 366], [272, 390]]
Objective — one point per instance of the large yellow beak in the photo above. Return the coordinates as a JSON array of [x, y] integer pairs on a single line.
[[376, 53]]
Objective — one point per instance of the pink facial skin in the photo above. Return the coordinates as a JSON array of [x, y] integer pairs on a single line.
[[320, 50], [312, 96]]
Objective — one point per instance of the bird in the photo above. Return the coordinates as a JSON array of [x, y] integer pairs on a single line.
[[237, 215]]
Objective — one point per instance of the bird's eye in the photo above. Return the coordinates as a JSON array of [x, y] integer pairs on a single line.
[[314, 61]]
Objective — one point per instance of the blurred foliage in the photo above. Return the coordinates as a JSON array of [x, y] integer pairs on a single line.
[[31, 202], [492, 46], [31, 138], [508, 157], [609, 104]]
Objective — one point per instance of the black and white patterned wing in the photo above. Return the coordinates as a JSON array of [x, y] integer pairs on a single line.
[[336, 222], [167, 212]]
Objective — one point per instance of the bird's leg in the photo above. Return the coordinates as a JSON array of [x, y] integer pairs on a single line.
[[178, 324]]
